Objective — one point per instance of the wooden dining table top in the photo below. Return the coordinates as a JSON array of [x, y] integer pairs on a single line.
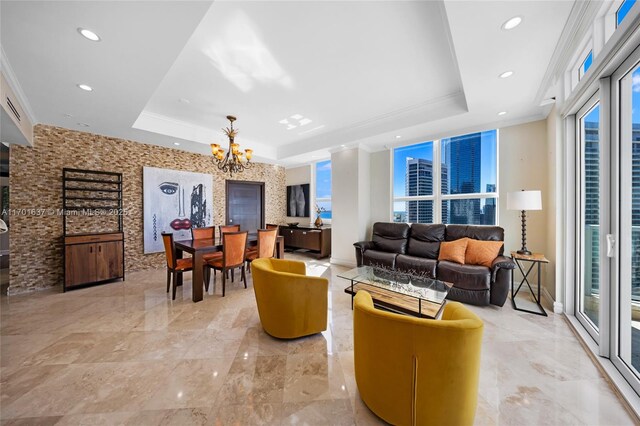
[[213, 244]]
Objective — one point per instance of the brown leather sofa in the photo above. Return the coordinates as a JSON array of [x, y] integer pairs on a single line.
[[415, 248]]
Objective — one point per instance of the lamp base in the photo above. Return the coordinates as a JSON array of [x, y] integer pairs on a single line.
[[525, 252]]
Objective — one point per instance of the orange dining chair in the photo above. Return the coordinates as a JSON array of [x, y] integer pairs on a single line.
[[272, 226], [175, 266], [207, 233], [229, 228], [234, 245], [266, 245]]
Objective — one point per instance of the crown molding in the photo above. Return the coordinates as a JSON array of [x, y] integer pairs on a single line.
[[579, 23], [13, 82]]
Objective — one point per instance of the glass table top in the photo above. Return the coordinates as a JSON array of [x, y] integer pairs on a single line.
[[420, 287]]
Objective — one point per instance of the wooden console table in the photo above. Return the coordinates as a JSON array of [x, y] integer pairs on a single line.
[[316, 240]]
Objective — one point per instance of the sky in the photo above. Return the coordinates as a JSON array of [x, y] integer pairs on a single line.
[[323, 179]]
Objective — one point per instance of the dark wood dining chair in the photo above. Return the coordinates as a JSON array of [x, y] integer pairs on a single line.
[[234, 246], [266, 245], [175, 266]]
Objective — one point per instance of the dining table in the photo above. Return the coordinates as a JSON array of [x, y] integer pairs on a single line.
[[198, 248]]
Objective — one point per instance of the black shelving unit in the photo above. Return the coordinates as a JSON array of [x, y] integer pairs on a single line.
[[95, 257]]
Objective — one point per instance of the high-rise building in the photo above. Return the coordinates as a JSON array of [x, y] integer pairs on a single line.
[[462, 155], [419, 181]]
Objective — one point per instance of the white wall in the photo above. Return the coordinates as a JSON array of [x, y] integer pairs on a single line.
[[298, 176], [380, 189], [350, 203], [523, 164]]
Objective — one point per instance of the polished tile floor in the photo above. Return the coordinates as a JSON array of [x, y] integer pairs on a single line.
[[124, 353]]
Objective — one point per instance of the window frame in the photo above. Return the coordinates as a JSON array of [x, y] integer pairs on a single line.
[[437, 196]]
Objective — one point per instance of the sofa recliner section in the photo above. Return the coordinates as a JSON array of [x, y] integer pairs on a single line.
[[415, 248]]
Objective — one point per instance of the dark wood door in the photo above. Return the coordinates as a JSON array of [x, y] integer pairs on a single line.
[[245, 205], [80, 262], [108, 260]]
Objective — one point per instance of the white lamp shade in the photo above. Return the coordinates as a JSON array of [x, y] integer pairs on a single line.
[[524, 200]]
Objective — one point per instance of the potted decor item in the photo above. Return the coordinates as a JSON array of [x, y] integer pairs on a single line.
[[319, 210]]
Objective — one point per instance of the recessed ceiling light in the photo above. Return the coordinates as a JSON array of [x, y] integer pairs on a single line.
[[176, 143], [502, 112], [506, 74], [343, 146], [398, 136], [83, 125], [88, 34], [85, 87], [68, 115], [512, 23], [297, 117]]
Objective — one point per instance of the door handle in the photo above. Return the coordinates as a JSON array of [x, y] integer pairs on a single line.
[[230, 220], [611, 244], [99, 249], [91, 249]]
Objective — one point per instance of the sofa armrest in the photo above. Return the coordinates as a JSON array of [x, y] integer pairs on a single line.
[[503, 262], [361, 247]]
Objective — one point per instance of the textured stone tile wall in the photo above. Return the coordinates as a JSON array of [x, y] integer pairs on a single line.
[[36, 183]]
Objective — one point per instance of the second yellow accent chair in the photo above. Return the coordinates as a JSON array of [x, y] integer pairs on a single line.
[[290, 303], [414, 371]]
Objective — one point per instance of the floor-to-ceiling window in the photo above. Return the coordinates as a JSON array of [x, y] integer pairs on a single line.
[[626, 280], [461, 188], [323, 189], [588, 138]]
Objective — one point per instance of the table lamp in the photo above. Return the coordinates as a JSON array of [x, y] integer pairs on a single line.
[[523, 201]]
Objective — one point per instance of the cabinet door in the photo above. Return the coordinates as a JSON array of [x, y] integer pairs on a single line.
[[80, 264], [109, 260], [288, 236]]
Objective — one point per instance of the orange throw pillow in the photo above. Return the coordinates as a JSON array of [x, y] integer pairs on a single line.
[[453, 251], [482, 252]]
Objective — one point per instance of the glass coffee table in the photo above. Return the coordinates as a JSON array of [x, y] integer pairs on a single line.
[[398, 292]]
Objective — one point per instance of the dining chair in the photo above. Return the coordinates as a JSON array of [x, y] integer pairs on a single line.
[[229, 228], [206, 233], [272, 226], [265, 247], [175, 266], [234, 245]]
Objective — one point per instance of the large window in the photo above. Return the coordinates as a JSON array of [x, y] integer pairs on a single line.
[[461, 188], [323, 188]]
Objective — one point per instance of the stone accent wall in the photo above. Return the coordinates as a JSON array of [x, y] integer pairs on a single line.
[[36, 250]]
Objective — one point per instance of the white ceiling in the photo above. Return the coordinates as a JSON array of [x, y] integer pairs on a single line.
[[362, 72]]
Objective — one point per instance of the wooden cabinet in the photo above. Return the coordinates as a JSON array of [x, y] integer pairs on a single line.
[[316, 240], [92, 258]]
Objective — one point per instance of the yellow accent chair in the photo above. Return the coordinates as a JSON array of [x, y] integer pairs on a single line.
[[290, 303], [415, 371]]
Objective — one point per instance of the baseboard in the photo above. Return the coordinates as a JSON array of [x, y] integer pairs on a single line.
[[342, 262]]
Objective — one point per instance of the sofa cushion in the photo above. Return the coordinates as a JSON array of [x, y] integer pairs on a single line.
[[468, 277], [484, 233], [424, 240], [416, 265], [391, 237], [379, 259], [481, 252], [453, 251]]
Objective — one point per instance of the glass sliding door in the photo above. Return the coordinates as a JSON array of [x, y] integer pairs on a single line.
[[629, 227], [588, 297]]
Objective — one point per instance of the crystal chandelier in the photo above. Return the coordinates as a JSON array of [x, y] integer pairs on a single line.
[[234, 160]]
